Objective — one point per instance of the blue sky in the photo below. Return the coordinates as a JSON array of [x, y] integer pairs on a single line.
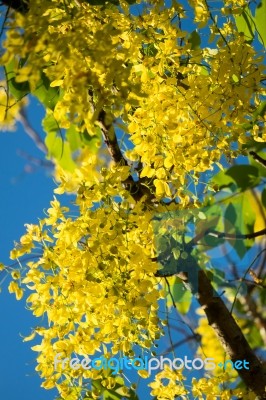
[[23, 198]]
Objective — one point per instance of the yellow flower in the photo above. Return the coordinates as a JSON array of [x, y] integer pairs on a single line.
[[14, 288]]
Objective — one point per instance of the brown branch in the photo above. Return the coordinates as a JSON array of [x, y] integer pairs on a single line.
[[18, 5], [224, 325], [219, 317], [224, 235], [22, 118], [110, 139], [230, 334], [258, 158], [137, 189]]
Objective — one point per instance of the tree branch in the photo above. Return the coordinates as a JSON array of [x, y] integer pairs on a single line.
[[22, 118], [110, 139], [224, 235], [223, 323], [137, 189], [219, 317], [258, 158], [229, 333], [237, 236], [18, 5]]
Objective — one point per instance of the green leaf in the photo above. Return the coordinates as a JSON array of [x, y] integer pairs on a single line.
[[244, 176], [241, 248], [201, 215], [217, 278], [149, 50], [222, 180], [233, 216], [111, 395], [181, 296], [117, 393], [162, 243], [54, 145], [74, 138], [79, 139], [57, 147], [176, 253], [49, 123], [245, 217], [204, 70], [255, 146], [17, 89], [242, 222], [259, 112], [260, 18], [254, 336], [47, 95], [230, 214], [245, 24], [213, 221], [194, 39], [93, 142], [235, 78]]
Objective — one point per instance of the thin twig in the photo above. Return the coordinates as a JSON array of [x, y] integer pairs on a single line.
[[31, 132], [36, 161], [18, 5], [224, 235], [258, 158], [4, 21]]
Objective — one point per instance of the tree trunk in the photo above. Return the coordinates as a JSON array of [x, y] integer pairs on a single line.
[[226, 328]]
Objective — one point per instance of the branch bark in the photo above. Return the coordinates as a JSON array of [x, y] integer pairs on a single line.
[[228, 236], [22, 118], [258, 158], [229, 333], [223, 323], [110, 139], [135, 188], [18, 5]]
